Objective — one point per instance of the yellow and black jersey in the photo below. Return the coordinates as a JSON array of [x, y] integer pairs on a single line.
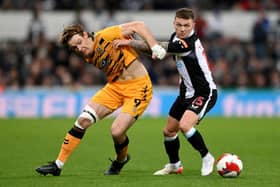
[[108, 59]]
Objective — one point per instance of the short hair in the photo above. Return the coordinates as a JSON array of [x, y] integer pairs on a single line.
[[185, 13], [68, 32]]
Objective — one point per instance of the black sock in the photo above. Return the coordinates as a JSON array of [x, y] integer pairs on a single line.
[[197, 142], [121, 150], [172, 149]]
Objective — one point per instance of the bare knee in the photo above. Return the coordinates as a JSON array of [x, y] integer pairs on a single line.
[[83, 123], [117, 134], [188, 121], [169, 133], [185, 127]]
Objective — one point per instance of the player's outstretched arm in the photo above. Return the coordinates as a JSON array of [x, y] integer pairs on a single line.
[[139, 45], [142, 46], [144, 32]]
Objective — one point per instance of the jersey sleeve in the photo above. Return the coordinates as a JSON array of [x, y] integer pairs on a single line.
[[111, 33]]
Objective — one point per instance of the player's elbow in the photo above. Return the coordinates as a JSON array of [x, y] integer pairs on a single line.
[[138, 25]]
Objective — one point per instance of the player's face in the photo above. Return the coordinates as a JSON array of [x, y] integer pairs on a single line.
[[82, 45], [183, 27]]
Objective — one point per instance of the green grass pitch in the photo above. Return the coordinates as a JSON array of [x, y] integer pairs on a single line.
[[28, 143]]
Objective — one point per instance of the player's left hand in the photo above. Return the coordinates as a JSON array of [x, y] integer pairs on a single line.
[[120, 42]]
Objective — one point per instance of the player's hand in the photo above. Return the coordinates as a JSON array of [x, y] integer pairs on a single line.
[[120, 42], [158, 52]]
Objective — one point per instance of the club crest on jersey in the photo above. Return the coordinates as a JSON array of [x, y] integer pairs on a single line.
[[100, 51], [179, 64]]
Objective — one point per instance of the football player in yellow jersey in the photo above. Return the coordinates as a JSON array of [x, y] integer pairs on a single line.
[[129, 87]]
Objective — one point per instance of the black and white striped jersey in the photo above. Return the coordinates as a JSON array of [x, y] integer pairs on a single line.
[[191, 62]]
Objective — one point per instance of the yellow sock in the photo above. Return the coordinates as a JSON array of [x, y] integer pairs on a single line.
[[69, 145]]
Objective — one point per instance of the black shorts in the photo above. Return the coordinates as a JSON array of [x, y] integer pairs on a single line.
[[198, 104]]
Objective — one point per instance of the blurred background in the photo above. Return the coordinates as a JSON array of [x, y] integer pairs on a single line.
[[40, 78]]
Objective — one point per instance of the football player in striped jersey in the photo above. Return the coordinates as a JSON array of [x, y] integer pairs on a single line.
[[197, 95]]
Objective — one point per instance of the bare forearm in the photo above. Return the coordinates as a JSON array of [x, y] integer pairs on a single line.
[[144, 32], [140, 28], [141, 45]]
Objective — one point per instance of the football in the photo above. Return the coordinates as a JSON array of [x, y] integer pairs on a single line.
[[229, 165]]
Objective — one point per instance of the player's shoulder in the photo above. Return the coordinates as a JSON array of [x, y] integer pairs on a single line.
[[172, 36], [110, 32], [110, 28]]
